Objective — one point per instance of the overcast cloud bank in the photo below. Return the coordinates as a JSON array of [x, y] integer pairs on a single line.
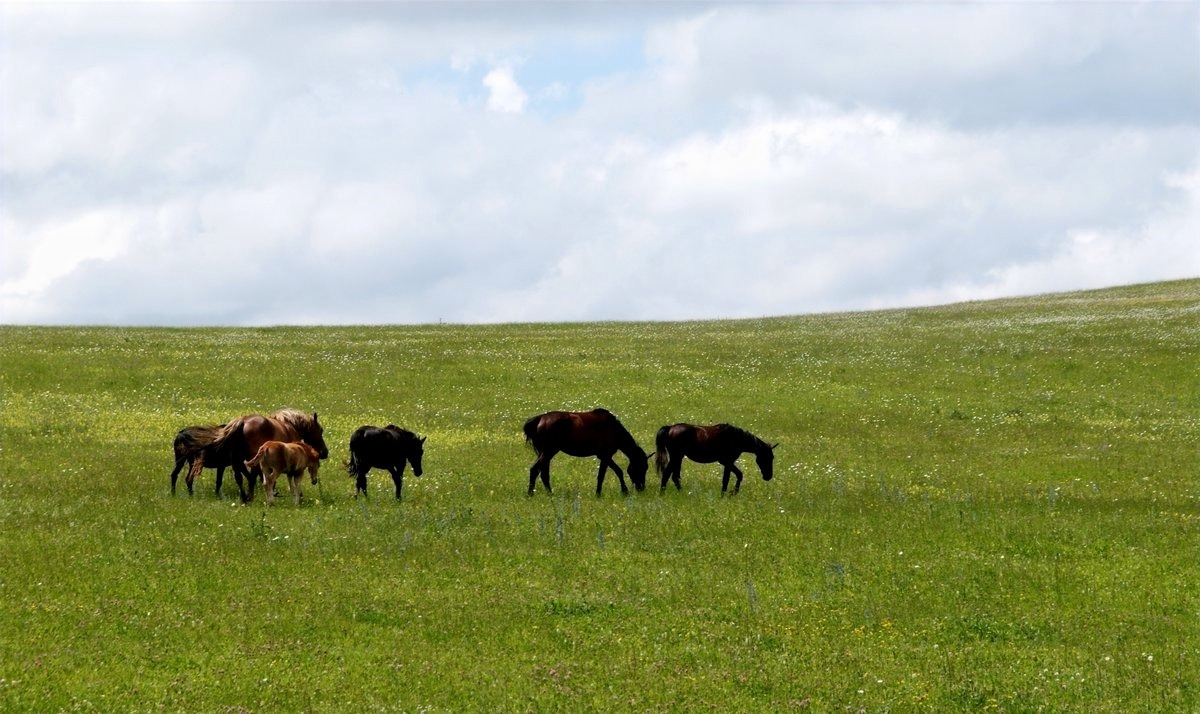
[[264, 163]]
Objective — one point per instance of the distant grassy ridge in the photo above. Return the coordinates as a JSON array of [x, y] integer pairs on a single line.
[[990, 505]]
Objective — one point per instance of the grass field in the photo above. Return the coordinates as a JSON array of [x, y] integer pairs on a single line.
[[988, 506]]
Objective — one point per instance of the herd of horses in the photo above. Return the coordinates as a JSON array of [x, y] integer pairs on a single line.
[[290, 442]]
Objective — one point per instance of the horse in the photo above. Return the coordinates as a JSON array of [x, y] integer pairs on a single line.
[[389, 448], [242, 437], [595, 433], [722, 443], [277, 457], [193, 446]]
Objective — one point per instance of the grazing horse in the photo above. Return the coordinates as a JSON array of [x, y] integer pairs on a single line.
[[594, 433], [241, 439], [389, 448], [193, 446], [722, 443], [277, 457]]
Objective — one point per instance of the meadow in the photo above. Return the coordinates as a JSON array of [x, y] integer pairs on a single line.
[[985, 506]]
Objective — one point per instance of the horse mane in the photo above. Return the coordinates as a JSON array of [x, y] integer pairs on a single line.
[[405, 433], [628, 445], [298, 420], [747, 437]]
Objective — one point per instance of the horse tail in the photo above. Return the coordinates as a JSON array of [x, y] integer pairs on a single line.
[[352, 465], [530, 430], [257, 458], [230, 441], [660, 449]]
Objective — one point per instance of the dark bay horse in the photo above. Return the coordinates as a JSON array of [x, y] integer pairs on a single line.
[[594, 433], [241, 439], [193, 446], [389, 448], [722, 443]]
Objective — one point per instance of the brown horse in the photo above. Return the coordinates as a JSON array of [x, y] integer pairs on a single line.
[[241, 439], [594, 433], [293, 459], [722, 443]]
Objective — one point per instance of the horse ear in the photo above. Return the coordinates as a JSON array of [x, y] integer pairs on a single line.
[[774, 445], [423, 438], [314, 416]]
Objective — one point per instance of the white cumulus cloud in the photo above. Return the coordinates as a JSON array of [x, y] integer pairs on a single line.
[[162, 163], [504, 94]]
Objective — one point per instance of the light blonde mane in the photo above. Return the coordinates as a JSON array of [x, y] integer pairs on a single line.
[[298, 420]]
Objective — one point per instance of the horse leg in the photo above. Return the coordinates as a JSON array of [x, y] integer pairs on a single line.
[[600, 475], [731, 469], [398, 479], [541, 466], [237, 478], [238, 472], [252, 483], [220, 476], [546, 473], [620, 476], [294, 484], [671, 471], [175, 474], [360, 483], [268, 479], [533, 473]]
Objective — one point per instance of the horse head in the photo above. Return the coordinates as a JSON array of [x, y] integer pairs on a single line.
[[639, 464], [765, 457], [414, 456], [315, 436]]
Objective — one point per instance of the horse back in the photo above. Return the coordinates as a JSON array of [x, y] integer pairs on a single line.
[[257, 430], [577, 433], [287, 457], [703, 444], [380, 447]]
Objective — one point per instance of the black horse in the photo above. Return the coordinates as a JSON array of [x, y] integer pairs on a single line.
[[594, 433], [194, 446], [722, 443], [389, 448]]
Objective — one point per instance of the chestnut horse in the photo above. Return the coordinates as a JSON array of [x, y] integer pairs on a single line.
[[594, 433], [241, 439], [292, 459], [722, 443]]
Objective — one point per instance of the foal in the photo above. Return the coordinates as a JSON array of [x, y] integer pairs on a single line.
[[278, 457]]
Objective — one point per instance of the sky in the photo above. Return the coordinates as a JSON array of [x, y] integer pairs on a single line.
[[269, 163]]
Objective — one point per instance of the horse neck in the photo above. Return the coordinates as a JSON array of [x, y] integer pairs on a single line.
[[753, 444], [628, 445], [292, 429], [408, 442]]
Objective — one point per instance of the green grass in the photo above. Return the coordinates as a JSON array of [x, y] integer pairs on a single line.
[[984, 506]]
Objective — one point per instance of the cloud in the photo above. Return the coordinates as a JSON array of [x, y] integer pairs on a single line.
[[652, 163], [504, 94]]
